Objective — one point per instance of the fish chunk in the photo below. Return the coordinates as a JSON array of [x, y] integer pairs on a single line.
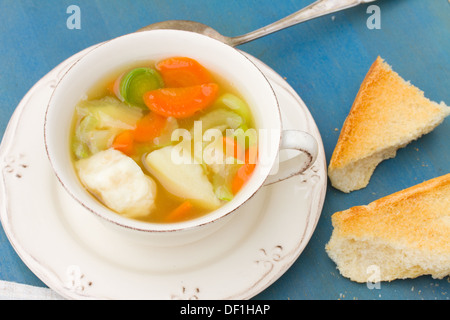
[[117, 181]]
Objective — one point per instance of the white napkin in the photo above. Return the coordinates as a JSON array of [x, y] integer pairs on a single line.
[[17, 291]]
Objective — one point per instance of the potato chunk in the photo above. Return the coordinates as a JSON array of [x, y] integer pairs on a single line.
[[185, 180], [118, 182]]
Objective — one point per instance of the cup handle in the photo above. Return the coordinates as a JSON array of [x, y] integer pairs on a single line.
[[294, 140]]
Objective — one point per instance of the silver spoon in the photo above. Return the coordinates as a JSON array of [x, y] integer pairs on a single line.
[[314, 10]]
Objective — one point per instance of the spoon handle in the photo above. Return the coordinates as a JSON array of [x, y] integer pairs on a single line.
[[314, 10]]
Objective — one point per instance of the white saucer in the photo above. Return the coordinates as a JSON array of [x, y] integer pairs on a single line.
[[74, 254]]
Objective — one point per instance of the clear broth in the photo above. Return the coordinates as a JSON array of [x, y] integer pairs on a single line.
[[165, 202]]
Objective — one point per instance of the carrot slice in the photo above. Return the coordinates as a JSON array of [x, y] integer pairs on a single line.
[[149, 127], [181, 102], [180, 212], [242, 176], [251, 155], [245, 172], [110, 87], [182, 72], [124, 142]]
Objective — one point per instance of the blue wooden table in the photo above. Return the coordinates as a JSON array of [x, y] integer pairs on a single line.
[[324, 60]]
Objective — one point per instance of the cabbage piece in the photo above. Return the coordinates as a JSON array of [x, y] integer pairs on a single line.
[[99, 121], [222, 169], [221, 119], [236, 104], [110, 113], [165, 139], [221, 181]]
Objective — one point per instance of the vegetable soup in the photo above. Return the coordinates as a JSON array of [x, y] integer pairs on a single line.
[[163, 141]]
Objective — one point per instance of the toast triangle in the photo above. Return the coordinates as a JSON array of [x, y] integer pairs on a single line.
[[387, 114]]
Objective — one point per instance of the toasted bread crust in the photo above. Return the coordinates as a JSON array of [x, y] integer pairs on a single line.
[[415, 218], [373, 123], [403, 235]]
